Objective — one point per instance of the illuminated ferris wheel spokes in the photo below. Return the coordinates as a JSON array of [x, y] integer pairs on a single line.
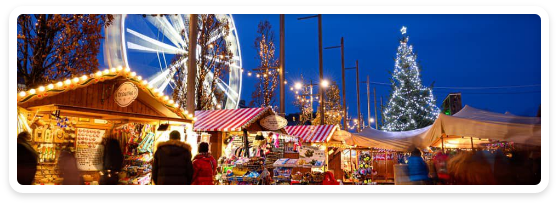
[[170, 46]]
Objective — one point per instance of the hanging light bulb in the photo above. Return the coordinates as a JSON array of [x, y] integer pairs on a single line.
[[22, 94], [41, 89], [83, 77], [50, 86]]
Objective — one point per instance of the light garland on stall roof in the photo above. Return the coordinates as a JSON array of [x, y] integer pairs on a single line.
[[107, 74]]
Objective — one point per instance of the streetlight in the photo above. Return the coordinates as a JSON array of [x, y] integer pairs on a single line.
[[298, 85], [324, 83]]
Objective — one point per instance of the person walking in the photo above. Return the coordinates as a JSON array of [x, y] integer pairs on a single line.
[[205, 166], [27, 159], [67, 164], [418, 171], [112, 162], [172, 162]]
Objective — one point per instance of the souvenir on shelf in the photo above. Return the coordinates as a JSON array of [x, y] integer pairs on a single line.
[[39, 134], [59, 135], [47, 135]]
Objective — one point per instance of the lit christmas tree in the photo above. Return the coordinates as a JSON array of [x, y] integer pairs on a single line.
[[411, 104]]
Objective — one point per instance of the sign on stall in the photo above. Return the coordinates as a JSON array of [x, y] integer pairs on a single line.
[[273, 122], [126, 93], [89, 150]]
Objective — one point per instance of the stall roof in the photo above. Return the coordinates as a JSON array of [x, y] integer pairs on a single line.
[[398, 141], [472, 122], [313, 133], [228, 119], [93, 93], [469, 122]]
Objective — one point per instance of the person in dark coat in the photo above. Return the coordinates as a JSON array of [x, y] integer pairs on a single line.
[[205, 166], [172, 162], [418, 171], [112, 162], [27, 159], [67, 164]]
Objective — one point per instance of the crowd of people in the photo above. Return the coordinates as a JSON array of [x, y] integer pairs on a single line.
[[519, 167], [172, 163]]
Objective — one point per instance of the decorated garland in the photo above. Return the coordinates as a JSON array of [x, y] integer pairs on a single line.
[[107, 74]]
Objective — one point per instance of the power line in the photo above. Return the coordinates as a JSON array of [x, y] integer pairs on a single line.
[[472, 88]]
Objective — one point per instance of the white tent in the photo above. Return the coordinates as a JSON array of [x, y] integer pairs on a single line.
[[399, 141], [476, 123], [466, 126]]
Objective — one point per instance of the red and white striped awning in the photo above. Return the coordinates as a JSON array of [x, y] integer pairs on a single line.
[[312, 133], [227, 119]]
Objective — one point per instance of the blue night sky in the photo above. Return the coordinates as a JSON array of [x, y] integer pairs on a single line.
[[453, 50]]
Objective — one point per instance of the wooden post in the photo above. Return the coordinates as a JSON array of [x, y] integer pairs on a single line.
[[442, 138], [368, 98], [322, 93], [192, 65], [382, 106], [472, 145], [282, 64], [343, 76], [358, 99], [375, 110]]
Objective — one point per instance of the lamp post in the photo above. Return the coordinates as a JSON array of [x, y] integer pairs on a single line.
[[319, 16], [342, 46]]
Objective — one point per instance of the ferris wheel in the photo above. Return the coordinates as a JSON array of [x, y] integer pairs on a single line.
[[151, 44]]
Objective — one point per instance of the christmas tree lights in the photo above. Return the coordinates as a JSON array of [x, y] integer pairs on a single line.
[[411, 104]]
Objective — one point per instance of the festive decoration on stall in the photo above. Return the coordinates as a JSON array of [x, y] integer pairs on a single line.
[[99, 76], [411, 105]]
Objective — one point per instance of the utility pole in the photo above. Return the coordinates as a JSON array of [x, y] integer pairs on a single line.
[[322, 93], [358, 98], [375, 110], [282, 64], [381, 109], [368, 97], [321, 90], [192, 67], [359, 116], [342, 46]]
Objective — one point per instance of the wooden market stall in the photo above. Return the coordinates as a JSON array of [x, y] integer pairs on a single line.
[[229, 124], [79, 114], [233, 137], [319, 136]]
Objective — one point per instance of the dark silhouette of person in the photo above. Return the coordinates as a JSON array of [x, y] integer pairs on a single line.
[[112, 162], [67, 164], [27, 159], [205, 166], [172, 162]]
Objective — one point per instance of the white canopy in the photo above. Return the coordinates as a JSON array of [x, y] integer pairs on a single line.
[[476, 123], [469, 122], [399, 141]]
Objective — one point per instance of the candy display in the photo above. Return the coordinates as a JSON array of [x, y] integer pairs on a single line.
[[139, 139]]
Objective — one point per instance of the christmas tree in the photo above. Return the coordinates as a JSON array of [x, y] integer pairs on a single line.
[[332, 103], [411, 104]]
